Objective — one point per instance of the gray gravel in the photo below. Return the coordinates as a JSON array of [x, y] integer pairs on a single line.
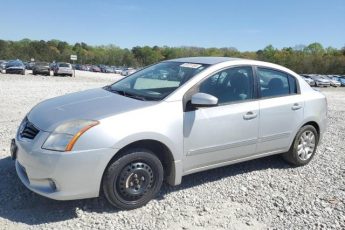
[[261, 194]]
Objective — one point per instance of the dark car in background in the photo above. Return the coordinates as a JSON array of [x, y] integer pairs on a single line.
[[41, 68], [108, 69], [15, 67], [95, 68], [29, 65], [80, 67]]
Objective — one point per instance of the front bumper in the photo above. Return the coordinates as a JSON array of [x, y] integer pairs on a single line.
[[323, 84], [14, 71], [336, 84], [60, 175]]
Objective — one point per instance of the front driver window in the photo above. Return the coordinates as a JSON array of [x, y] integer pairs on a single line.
[[230, 85]]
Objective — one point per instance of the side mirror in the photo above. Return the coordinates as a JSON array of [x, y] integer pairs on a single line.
[[204, 100]]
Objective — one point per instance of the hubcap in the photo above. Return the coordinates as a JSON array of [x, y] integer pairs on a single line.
[[306, 145], [135, 180]]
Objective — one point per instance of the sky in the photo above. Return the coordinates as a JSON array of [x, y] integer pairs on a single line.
[[243, 24]]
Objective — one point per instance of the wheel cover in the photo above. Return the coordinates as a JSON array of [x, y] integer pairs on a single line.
[[306, 145], [134, 181]]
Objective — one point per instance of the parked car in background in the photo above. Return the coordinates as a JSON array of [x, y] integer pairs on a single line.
[[41, 68], [118, 70], [339, 79], [128, 71], [29, 65], [15, 67], [334, 83], [102, 68], [95, 68], [87, 67], [108, 69], [308, 79], [218, 111], [63, 68], [320, 81], [80, 67]]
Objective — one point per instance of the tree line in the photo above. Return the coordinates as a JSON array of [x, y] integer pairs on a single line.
[[312, 58]]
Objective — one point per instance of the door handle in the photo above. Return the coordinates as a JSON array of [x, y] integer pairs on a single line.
[[250, 115], [296, 106]]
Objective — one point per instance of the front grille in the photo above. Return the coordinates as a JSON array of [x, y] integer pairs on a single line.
[[28, 130]]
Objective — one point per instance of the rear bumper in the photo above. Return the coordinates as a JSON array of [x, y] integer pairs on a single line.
[[62, 175], [42, 70], [62, 72]]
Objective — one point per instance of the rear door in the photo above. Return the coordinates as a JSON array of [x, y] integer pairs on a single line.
[[281, 109]]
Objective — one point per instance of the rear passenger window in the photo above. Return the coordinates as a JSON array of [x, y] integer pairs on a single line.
[[275, 83]]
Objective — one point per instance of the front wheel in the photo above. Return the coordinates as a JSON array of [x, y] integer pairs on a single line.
[[133, 180], [304, 146]]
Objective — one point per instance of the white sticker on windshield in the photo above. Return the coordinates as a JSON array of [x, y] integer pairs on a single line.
[[190, 65]]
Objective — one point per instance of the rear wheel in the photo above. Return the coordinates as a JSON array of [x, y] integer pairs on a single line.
[[133, 180], [304, 146]]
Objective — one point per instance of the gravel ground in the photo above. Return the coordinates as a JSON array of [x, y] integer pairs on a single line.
[[261, 194]]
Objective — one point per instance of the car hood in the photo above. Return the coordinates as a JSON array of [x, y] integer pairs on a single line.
[[93, 104]]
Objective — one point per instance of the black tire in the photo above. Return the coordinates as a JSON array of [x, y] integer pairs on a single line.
[[55, 74], [133, 180], [293, 156]]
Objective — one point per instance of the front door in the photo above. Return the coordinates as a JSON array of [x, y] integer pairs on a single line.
[[228, 131]]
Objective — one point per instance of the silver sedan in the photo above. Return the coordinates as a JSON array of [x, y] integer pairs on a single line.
[[126, 138]]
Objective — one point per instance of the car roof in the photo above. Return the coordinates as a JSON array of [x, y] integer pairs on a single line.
[[205, 60]]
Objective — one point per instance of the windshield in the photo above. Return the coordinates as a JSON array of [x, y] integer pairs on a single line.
[[157, 81], [42, 63], [14, 63], [64, 65]]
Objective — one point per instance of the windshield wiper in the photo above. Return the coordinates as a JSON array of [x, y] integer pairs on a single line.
[[124, 93], [134, 96], [108, 88]]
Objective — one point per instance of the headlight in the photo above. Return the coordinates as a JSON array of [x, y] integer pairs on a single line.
[[66, 135]]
